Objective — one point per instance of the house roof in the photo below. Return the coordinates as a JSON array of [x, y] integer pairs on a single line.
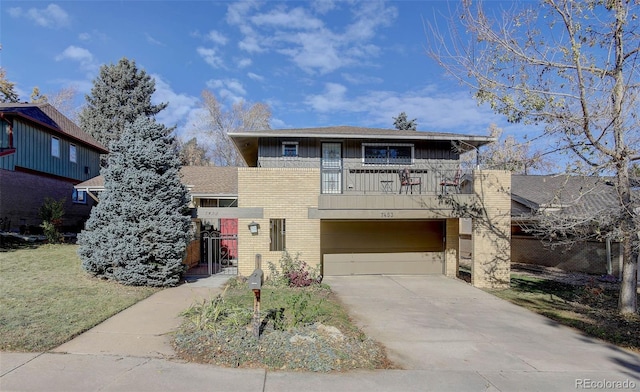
[[49, 117], [247, 141], [213, 181], [571, 195]]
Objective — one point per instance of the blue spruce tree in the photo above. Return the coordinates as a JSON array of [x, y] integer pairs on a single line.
[[138, 232]]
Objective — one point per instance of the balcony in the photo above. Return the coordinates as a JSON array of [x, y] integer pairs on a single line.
[[422, 179], [378, 192]]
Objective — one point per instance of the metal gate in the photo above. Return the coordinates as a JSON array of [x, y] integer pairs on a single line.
[[219, 250]]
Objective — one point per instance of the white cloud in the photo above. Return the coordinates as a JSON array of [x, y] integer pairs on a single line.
[[53, 16], [450, 112], [323, 6], [80, 55], [210, 57], [301, 34], [244, 63], [15, 12], [216, 37], [250, 44], [369, 16], [181, 107], [296, 18], [255, 77], [152, 40], [316, 51], [228, 89], [361, 78], [91, 36], [332, 99]]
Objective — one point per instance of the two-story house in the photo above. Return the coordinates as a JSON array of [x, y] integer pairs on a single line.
[[43, 154], [369, 201], [351, 201]]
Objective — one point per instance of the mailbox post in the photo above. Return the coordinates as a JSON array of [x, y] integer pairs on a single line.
[[255, 284]]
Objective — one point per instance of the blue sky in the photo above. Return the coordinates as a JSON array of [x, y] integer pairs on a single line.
[[315, 63]]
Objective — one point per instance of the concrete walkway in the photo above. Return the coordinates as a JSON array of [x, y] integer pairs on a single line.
[[446, 335]]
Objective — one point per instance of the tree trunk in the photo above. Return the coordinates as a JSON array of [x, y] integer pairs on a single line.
[[628, 301]]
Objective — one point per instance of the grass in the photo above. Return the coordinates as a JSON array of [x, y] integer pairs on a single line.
[[47, 299], [589, 308], [300, 329]]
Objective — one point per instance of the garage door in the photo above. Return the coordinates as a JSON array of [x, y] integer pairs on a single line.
[[382, 247]]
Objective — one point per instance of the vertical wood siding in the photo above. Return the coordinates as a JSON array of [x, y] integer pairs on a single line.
[[33, 151]]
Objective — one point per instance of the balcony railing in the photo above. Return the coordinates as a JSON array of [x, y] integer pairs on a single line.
[[422, 179]]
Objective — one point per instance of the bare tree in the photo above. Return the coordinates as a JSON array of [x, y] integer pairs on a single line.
[[62, 100], [37, 97], [219, 121], [572, 66], [192, 154], [7, 89], [507, 154]]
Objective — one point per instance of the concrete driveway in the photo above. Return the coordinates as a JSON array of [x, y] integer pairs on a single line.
[[438, 323]]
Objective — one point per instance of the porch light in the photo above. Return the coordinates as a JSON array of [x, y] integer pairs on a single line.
[[253, 228]]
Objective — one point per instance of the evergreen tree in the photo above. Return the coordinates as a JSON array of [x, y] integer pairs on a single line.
[[138, 232], [120, 94], [402, 124]]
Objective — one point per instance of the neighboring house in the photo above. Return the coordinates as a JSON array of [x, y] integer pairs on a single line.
[[43, 154], [214, 196], [338, 197], [570, 196]]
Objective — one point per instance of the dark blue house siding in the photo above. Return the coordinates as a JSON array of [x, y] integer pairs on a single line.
[[33, 152]]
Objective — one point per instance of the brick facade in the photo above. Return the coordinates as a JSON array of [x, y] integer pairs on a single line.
[[283, 193], [491, 238], [452, 248], [22, 194], [588, 257]]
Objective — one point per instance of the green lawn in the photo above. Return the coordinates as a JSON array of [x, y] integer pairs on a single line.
[[589, 308], [46, 298]]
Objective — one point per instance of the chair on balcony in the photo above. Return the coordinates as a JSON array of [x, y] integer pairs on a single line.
[[448, 182], [407, 181]]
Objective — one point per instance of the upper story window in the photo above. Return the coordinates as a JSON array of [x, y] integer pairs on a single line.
[[387, 154], [55, 147], [72, 153], [290, 149]]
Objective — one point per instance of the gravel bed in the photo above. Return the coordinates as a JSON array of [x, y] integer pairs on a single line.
[[316, 347]]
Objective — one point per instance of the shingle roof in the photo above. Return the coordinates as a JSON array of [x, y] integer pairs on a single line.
[[210, 180], [361, 132], [48, 116], [574, 195]]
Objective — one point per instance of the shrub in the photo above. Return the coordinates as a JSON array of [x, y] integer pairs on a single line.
[[51, 213], [293, 272]]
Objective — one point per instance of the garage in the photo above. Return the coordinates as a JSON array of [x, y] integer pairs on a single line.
[[390, 247]]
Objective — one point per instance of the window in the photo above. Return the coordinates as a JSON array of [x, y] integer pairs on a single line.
[[290, 149], [277, 232], [387, 154], [79, 197], [72, 153], [55, 147]]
